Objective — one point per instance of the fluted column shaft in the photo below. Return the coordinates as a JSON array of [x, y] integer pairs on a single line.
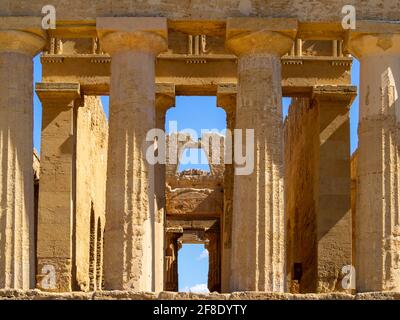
[[258, 233], [129, 261], [163, 103], [17, 49], [378, 180]]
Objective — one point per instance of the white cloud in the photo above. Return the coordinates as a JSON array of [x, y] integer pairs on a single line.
[[198, 288], [203, 255]]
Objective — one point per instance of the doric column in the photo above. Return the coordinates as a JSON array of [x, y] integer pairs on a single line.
[[17, 252], [55, 252], [377, 213], [164, 101], [258, 234], [332, 185], [226, 99], [171, 260], [133, 43]]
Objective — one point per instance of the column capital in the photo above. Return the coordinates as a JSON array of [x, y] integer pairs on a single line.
[[260, 36], [50, 93], [22, 35], [373, 38], [133, 33]]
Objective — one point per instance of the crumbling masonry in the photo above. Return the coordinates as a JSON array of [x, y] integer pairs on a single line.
[[95, 214]]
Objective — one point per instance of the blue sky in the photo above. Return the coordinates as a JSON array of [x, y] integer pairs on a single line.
[[196, 113]]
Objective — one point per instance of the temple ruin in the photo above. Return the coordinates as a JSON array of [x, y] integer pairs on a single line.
[[94, 214]]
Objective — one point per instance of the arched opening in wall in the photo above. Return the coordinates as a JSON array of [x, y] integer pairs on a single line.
[[193, 159], [193, 264], [195, 115], [92, 250], [99, 255]]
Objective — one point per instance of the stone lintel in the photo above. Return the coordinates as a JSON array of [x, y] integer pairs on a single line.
[[179, 225], [338, 94], [155, 25], [192, 237], [299, 74], [329, 30], [74, 29], [174, 229], [376, 27], [54, 92]]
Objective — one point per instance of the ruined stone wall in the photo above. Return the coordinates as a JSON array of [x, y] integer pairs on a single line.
[[91, 165], [301, 147]]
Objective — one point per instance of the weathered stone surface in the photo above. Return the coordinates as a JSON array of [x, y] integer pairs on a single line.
[[130, 295], [17, 255], [328, 11], [317, 158]]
